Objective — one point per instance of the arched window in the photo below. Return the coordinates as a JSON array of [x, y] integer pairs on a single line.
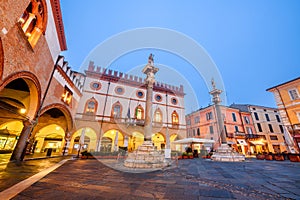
[[158, 116], [139, 112], [116, 111], [91, 106], [34, 20], [175, 118]]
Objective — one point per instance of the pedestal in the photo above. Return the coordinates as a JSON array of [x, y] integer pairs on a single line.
[[226, 154], [145, 156]]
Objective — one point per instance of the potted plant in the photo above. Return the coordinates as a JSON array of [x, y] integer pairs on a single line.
[[279, 157], [294, 157], [190, 155], [185, 155], [260, 156]]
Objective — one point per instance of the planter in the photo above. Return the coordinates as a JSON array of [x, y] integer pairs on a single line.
[[294, 158], [268, 157], [191, 157], [279, 157], [185, 157], [260, 157], [83, 157]]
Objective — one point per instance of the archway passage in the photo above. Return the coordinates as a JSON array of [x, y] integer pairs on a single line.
[[158, 141], [50, 137], [89, 143], [115, 137], [136, 139], [9, 135]]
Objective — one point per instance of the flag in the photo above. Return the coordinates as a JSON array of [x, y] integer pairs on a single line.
[[128, 113]]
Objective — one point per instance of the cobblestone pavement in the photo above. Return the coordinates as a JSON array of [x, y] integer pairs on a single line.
[[14, 172], [192, 179]]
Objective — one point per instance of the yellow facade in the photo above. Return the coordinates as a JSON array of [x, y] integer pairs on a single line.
[[287, 97]]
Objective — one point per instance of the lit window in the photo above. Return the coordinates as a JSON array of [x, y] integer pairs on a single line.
[[67, 96], [33, 21], [91, 106], [175, 118], [158, 116], [139, 112]]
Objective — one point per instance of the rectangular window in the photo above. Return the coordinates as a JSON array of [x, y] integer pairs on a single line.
[[198, 131], [278, 118], [273, 137], [197, 119], [188, 122], [225, 129], [256, 116], [271, 128], [294, 94], [233, 117], [211, 129], [209, 116], [281, 128], [246, 118], [249, 130], [236, 128], [259, 127], [267, 117], [67, 96], [193, 132]]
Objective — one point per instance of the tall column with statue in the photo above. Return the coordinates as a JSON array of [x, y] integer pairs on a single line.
[[150, 71], [146, 156], [224, 151]]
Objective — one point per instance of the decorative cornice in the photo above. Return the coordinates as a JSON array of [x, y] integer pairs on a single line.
[[59, 24]]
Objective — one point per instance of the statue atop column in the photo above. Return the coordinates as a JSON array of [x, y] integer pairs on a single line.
[[150, 59], [150, 71]]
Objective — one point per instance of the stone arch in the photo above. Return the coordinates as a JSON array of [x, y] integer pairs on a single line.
[[117, 139], [11, 89], [158, 140], [68, 116], [90, 140]]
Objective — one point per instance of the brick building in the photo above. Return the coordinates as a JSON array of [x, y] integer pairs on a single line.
[[39, 93]]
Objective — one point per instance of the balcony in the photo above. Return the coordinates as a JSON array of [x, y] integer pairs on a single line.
[[249, 136], [239, 134]]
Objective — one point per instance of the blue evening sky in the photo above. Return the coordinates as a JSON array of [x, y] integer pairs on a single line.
[[254, 44]]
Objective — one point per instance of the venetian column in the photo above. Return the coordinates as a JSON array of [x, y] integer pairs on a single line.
[[217, 100], [150, 71]]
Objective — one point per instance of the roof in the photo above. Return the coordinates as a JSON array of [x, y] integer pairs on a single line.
[[283, 83], [244, 107]]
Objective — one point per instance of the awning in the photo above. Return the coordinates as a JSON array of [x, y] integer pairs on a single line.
[[257, 142], [297, 136], [242, 142], [193, 141], [230, 142]]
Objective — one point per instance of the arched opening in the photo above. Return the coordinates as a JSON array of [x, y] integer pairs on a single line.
[[175, 119], [91, 106], [34, 20], [90, 140], [158, 141], [116, 138], [9, 135], [135, 141], [48, 137], [116, 111]]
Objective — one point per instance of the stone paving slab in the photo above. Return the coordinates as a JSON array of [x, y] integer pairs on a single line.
[[192, 179]]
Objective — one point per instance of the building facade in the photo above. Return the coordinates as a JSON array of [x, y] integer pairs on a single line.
[[287, 97], [238, 126], [269, 128], [111, 111], [39, 93]]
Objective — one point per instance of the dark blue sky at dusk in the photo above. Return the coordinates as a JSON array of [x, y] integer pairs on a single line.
[[254, 44]]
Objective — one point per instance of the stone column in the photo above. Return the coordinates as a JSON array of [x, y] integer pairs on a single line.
[[17, 154], [66, 145], [150, 71], [27, 23], [217, 100]]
